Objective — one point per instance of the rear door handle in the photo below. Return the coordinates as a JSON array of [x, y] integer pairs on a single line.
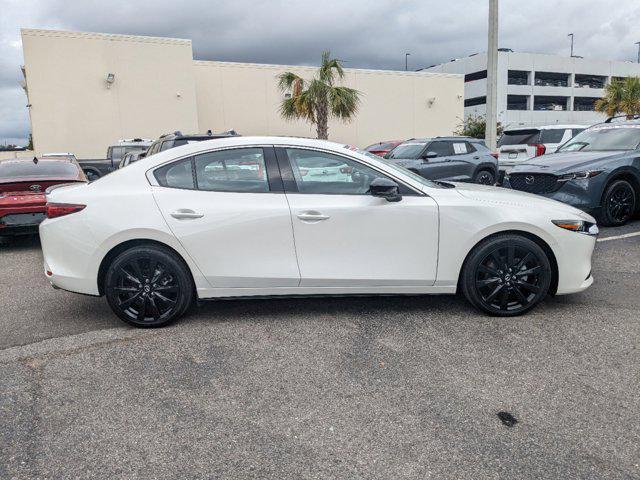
[[312, 216], [184, 213]]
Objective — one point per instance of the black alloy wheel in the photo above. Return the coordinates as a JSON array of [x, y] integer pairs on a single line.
[[485, 177], [619, 203], [148, 286], [506, 275]]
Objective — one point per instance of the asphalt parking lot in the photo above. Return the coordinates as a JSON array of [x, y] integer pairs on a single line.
[[390, 387]]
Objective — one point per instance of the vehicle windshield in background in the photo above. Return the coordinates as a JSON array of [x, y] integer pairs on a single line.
[[37, 170], [395, 167], [406, 150], [519, 137], [118, 152], [604, 138]]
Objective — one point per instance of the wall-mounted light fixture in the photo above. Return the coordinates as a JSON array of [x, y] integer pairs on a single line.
[[111, 77], [430, 101]]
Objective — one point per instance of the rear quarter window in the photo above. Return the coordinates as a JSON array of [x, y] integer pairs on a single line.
[[552, 135]]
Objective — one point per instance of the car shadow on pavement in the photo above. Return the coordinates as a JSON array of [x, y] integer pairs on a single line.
[[19, 242]]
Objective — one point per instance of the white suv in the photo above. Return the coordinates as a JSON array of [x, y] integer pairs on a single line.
[[518, 145]]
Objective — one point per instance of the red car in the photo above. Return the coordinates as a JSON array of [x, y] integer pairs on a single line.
[[382, 148], [23, 182]]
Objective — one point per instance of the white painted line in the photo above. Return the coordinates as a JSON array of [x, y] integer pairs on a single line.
[[619, 237]]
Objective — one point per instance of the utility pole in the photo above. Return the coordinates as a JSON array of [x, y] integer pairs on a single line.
[[571, 35], [638, 43], [492, 78], [406, 61]]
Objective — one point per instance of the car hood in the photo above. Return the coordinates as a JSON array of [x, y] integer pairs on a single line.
[[567, 162], [515, 198]]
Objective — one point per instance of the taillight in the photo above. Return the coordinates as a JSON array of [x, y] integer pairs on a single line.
[[55, 210], [494, 155], [540, 148]]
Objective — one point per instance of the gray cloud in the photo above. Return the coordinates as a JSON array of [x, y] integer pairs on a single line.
[[365, 34]]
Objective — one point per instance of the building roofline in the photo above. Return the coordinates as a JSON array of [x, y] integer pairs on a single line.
[[310, 68], [29, 32]]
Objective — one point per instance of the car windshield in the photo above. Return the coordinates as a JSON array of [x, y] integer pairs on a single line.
[[407, 150], [610, 137], [396, 168], [42, 169]]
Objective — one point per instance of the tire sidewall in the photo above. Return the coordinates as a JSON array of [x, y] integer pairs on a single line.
[[177, 266], [478, 254]]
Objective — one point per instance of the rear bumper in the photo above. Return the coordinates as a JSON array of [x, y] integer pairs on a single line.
[[10, 231]]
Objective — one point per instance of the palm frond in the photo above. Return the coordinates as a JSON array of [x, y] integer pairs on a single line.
[[344, 102], [289, 81], [327, 68]]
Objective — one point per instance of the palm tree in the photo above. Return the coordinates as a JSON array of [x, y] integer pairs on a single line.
[[621, 96], [318, 99]]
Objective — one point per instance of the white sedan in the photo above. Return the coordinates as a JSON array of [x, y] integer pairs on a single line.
[[239, 217]]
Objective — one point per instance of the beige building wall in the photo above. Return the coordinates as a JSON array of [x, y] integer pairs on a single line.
[[394, 104], [73, 108], [158, 88]]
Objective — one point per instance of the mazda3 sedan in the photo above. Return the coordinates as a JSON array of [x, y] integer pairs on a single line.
[[239, 217]]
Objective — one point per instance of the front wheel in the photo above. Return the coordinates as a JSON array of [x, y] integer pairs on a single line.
[[484, 177], [148, 286], [618, 204], [506, 275]]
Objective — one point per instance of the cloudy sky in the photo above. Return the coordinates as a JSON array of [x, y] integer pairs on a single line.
[[368, 34]]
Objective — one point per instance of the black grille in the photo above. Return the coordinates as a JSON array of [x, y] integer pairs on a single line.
[[534, 182]]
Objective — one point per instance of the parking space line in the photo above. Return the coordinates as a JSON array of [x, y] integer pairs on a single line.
[[619, 237]]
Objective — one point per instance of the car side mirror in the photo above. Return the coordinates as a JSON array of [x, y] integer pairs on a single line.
[[385, 188], [429, 155]]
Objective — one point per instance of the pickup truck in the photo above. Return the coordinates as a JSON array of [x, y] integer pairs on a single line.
[[96, 168]]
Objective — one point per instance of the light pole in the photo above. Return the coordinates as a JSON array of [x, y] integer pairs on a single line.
[[492, 78], [571, 35], [406, 61], [638, 43]]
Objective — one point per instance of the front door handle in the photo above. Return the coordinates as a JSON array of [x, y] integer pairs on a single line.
[[312, 216], [184, 213]]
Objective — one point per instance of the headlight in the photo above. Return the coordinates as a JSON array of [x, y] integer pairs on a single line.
[[579, 175], [579, 226]]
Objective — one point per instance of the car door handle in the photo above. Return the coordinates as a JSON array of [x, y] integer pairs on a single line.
[[312, 216], [476, 158], [184, 213]]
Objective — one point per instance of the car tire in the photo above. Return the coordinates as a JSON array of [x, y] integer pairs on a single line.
[[506, 275], [484, 177], [618, 203], [149, 286]]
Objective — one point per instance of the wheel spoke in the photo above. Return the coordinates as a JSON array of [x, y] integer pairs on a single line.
[[153, 308], [142, 312], [163, 298], [529, 286], [136, 269], [523, 300], [523, 261], [511, 252], [125, 289], [493, 294], [489, 270], [529, 271], [129, 301], [504, 298], [157, 273], [487, 281], [130, 277]]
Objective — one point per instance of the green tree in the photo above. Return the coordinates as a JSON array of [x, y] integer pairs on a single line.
[[621, 96], [318, 99], [475, 126]]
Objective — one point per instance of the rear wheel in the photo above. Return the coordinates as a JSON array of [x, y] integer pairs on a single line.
[[618, 203], [148, 286], [484, 177], [506, 275]]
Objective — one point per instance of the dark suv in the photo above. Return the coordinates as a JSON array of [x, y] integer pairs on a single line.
[[458, 159], [176, 139], [597, 171]]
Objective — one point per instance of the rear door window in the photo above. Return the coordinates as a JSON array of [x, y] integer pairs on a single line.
[[442, 148], [234, 170]]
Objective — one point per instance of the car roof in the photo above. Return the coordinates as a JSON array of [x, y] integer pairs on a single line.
[[545, 127], [451, 137], [620, 123]]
